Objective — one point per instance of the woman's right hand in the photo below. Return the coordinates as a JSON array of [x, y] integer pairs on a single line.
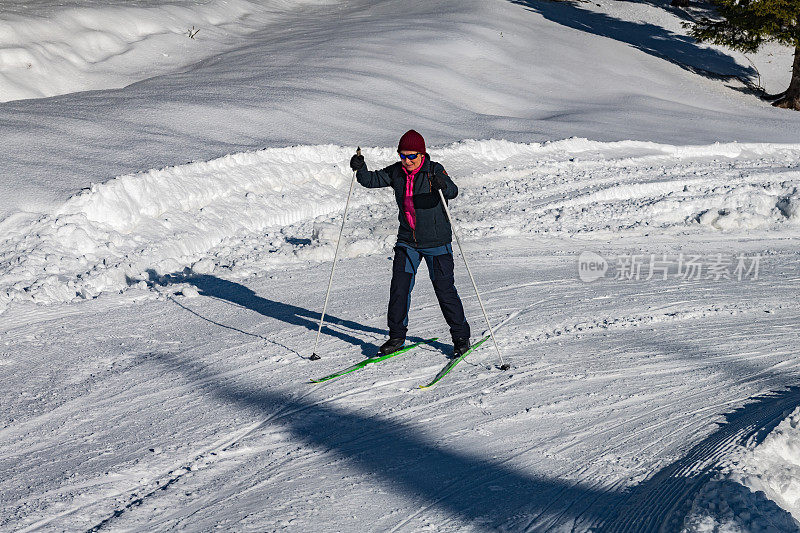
[[357, 162]]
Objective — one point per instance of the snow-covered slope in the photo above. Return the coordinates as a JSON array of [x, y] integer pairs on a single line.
[[363, 72], [49, 49], [156, 315]]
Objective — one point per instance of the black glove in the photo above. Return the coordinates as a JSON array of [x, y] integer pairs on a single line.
[[438, 183], [357, 162]]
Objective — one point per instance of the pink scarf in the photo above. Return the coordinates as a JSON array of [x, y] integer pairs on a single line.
[[408, 201]]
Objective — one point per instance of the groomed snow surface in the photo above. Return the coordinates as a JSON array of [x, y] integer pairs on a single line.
[[170, 208], [180, 396]]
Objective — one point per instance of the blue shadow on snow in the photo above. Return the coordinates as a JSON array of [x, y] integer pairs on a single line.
[[489, 492], [680, 50], [240, 295]]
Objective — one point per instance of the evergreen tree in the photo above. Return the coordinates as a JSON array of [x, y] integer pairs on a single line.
[[747, 24]]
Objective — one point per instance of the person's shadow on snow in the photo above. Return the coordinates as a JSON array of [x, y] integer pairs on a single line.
[[235, 293]]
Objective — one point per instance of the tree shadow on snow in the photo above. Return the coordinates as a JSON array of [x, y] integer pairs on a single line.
[[488, 493], [649, 38], [238, 294], [697, 7]]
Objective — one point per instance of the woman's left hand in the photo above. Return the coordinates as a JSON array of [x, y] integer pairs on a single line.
[[438, 183]]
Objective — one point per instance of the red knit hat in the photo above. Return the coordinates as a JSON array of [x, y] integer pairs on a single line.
[[411, 141]]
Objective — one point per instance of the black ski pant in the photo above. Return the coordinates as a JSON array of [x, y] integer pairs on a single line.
[[440, 268]]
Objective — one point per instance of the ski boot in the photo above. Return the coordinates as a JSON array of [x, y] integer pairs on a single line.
[[391, 346], [460, 346]]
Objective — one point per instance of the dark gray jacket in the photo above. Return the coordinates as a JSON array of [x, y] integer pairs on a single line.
[[432, 227]]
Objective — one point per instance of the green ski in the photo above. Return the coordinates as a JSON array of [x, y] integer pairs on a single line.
[[372, 360], [449, 366]]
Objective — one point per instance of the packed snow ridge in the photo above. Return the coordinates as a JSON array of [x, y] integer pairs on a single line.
[[250, 212], [754, 480]]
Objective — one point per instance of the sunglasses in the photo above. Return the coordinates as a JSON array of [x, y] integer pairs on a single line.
[[409, 156]]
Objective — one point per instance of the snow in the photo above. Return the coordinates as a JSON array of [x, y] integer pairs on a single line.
[[611, 381], [758, 488], [47, 50], [170, 212], [317, 73], [775, 463], [257, 211]]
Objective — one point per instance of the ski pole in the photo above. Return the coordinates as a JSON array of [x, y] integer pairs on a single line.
[[314, 356], [503, 364]]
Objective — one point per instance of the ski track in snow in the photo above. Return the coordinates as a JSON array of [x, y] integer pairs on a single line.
[[204, 458], [656, 505], [607, 420]]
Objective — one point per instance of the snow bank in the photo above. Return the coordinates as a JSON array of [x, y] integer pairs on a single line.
[[773, 466], [249, 212], [47, 49], [159, 222], [756, 480]]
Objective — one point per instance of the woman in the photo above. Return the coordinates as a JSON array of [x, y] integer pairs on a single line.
[[424, 232]]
